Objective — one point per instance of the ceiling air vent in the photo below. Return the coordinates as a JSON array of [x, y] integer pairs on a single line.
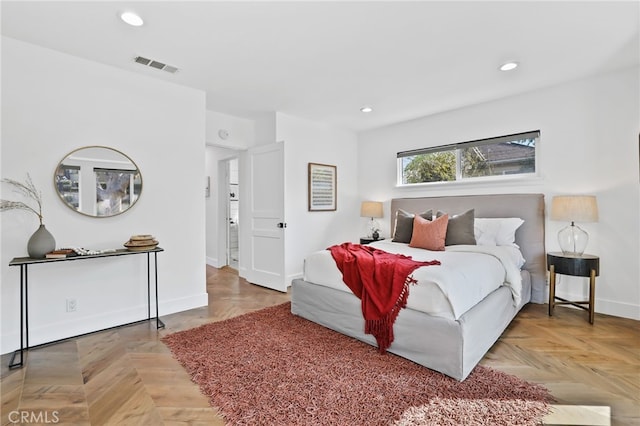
[[155, 64], [141, 60]]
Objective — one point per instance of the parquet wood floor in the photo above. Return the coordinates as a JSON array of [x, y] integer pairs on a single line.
[[126, 376], [580, 363]]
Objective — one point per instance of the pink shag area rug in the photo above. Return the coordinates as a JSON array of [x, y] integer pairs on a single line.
[[271, 367]]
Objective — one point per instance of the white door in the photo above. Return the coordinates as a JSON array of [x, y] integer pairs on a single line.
[[266, 204]]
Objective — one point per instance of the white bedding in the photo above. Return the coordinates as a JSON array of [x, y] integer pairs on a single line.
[[467, 274]]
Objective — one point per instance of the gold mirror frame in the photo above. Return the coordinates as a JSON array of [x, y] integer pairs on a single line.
[[98, 181]]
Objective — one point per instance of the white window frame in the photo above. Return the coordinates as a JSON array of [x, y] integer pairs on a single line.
[[457, 147]]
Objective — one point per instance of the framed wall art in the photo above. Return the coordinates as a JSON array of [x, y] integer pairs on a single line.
[[322, 187]]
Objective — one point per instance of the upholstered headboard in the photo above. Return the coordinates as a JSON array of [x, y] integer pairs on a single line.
[[530, 236]]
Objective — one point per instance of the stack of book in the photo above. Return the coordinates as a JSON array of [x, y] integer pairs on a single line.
[[60, 254]]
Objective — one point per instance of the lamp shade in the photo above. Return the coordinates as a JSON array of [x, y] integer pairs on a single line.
[[371, 209], [574, 208]]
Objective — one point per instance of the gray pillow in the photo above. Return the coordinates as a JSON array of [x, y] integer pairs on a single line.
[[460, 228], [404, 225]]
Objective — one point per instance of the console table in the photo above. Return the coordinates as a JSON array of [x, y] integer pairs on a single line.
[[24, 262]]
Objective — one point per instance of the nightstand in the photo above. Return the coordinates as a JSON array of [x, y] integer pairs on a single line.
[[585, 265], [366, 240]]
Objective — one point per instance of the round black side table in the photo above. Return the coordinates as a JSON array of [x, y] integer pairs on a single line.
[[585, 265]]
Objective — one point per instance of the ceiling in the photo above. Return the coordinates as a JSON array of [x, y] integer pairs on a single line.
[[324, 60]]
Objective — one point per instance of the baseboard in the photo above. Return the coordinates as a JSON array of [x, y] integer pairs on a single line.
[[242, 272], [213, 261], [608, 307], [60, 330], [618, 309], [168, 307], [292, 277], [78, 325]]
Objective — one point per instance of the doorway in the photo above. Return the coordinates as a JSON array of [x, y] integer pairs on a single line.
[[233, 216]]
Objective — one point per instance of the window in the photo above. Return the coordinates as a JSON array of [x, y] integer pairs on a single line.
[[499, 156]]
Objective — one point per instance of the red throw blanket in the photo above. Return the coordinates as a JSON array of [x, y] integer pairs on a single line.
[[381, 281]]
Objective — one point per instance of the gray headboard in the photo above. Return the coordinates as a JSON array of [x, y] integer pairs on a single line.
[[530, 236]]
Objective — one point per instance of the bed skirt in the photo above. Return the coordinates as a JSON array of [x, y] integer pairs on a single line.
[[451, 347]]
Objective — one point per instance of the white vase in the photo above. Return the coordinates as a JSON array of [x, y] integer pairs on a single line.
[[40, 243]]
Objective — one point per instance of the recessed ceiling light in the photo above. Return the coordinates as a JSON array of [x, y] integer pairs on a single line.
[[131, 19], [508, 66], [366, 109]]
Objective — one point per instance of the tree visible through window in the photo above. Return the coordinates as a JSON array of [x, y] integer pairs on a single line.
[[504, 155]]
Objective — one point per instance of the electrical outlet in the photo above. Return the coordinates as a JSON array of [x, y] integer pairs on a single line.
[[72, 305]]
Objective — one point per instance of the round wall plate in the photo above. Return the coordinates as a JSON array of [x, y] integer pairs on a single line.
[[224, 134]]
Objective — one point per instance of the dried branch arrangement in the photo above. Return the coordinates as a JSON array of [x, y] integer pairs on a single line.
[[28, 190]]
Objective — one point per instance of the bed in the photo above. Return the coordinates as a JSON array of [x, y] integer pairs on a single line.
[[452, 344]]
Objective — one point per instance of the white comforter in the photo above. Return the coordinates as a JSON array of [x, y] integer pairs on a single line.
[[467, 274]]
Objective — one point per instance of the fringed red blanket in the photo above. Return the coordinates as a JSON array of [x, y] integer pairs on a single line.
[[381, 281]]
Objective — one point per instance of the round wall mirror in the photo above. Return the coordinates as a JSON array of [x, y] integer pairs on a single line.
[[98, 181]]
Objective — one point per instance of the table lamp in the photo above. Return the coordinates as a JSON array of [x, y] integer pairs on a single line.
[[574, 208], [372, 209]]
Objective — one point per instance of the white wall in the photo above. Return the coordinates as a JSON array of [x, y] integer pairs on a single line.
[[53, 103], [240, 131], [588, 145], [306, 232]]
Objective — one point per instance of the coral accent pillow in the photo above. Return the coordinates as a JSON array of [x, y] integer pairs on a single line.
[[429, 235], [404, 225]]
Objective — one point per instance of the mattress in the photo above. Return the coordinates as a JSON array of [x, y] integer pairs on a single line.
[[466, 275]]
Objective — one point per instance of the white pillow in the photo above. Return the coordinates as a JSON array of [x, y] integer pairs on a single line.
[[496, 231], [515, 255]]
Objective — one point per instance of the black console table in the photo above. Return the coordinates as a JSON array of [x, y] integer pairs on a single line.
[[24, 262]]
